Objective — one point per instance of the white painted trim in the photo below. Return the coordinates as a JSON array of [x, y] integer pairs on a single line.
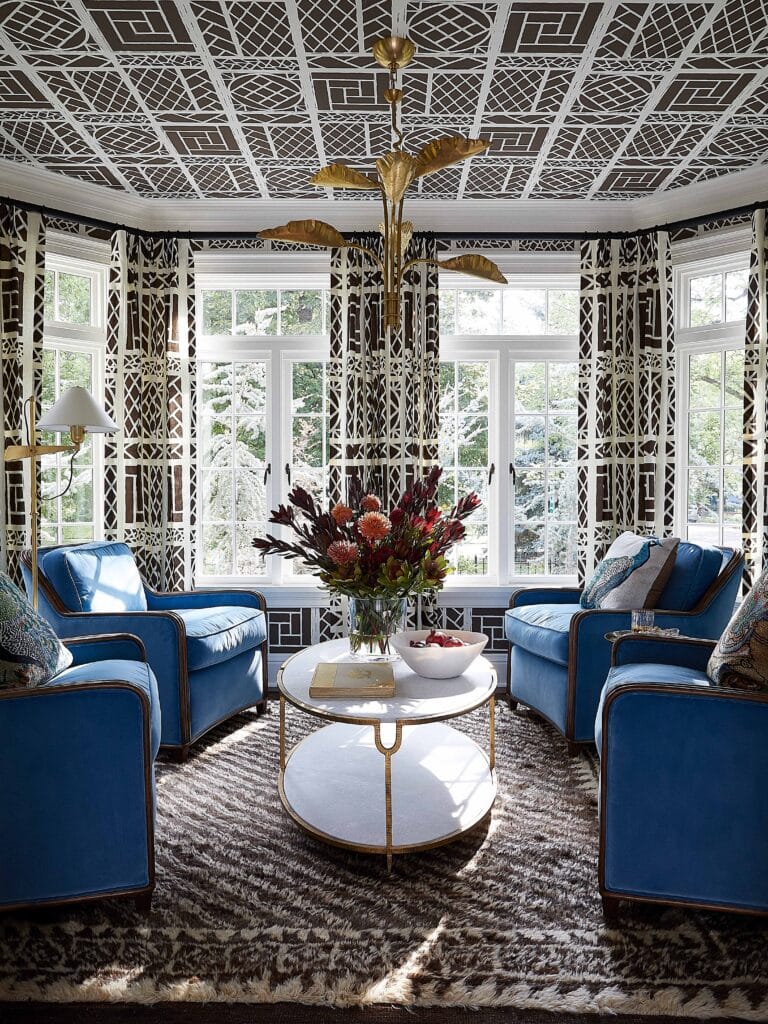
[[76, 247], [539, 216]]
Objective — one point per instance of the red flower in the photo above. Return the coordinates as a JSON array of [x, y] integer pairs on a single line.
[[370, 503], [396, 516], [342, 552], [374, 526], [341, 513]]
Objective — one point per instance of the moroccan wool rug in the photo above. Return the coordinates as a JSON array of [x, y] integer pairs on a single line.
[[249, 909]]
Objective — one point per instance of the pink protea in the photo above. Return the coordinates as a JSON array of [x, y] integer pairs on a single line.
[[374, 526], [370, 503], [341, 513], [342, 552]]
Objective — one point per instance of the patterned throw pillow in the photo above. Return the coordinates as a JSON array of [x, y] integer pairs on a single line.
[[30, 652], [740, 660], [633, 573]]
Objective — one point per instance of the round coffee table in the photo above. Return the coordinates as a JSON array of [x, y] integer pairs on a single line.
[[388, 775]]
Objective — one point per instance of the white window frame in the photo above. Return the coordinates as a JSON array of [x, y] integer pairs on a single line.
[[85, 258], [723, 252]]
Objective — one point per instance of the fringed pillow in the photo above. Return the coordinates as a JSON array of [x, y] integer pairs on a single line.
[[30, 651], [740, 660]]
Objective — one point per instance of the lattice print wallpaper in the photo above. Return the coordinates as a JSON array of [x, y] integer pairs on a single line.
[[226, 98]]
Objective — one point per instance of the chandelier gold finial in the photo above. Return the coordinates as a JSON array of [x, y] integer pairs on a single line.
[[396, 171]]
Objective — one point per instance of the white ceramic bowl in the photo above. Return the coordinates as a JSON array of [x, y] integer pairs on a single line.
[[438, 662]]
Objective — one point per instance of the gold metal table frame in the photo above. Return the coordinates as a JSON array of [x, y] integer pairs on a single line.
[[388, 752]]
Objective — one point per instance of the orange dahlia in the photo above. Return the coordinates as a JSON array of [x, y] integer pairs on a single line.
[[374, 526], [341, 513], [370, 503], [342, 552]]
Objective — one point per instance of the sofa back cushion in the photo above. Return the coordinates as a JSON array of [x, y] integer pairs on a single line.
[[632, 574], [98, 577], [30, 652], [696, 568], [740, 659]]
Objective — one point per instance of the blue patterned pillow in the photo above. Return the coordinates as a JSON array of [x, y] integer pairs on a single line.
[[30, 652], [740, 660], [633, 573]]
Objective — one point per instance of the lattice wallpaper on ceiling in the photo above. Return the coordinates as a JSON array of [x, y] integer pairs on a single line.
[[225, 98]]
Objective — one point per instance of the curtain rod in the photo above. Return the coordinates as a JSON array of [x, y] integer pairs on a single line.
[[583, 236]]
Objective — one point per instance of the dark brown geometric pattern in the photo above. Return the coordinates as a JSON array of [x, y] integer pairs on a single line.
[[626, 397], [755, 485], [227, 98], [147, 388]]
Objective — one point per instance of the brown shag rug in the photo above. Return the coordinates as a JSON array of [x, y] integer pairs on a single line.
[[249, 909]]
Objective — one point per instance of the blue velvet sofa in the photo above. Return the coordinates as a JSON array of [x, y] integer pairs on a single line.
[[77, 762], [559, 658], [683, 796], [208, 648]]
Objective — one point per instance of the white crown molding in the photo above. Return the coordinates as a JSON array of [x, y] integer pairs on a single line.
[[538, 216]]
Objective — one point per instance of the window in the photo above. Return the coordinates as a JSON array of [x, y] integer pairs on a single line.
[[73, 355], [712, 306], [263, 414], [507, 400]]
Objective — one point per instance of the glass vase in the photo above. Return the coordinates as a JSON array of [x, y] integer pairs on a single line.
[[372, 621]]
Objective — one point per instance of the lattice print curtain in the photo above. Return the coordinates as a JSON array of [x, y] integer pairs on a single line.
[[383, 390], [755, 480], [147, 493], [22, 284], [626, 414]]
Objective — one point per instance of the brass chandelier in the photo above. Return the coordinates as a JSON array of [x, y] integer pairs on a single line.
[[396, 171]]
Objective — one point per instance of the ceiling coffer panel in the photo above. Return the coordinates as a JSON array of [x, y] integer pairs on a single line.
[[232, 99]]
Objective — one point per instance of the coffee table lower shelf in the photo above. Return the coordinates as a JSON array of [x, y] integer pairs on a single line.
[[334, 786]]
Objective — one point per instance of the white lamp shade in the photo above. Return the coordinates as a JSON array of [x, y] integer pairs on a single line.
[[77, 408]]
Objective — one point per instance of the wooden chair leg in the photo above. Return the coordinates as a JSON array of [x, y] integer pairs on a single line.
[[143, 902], [611, 906], [261, 707], [180, 754]]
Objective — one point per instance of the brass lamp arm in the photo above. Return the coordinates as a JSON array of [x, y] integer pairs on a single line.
[[368, 252], [412, 263], [15, 452]]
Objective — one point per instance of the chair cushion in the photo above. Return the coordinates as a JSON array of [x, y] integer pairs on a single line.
[[96, 577], [30, 651], [218, 634], [696, 567], [740, 659], [138, 673], [650, 672], [632, 574], [541, 629]]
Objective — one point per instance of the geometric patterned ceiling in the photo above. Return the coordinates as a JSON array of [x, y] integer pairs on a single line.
[[226, 98]]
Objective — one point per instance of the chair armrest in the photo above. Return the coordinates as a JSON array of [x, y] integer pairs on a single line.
[[207, 598], [685, 651], [544, 595], [123, 646]]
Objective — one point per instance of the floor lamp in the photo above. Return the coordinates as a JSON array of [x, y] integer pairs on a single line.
[[77, 413]]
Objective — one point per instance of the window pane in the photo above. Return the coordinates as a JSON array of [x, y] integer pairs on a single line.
[[307, 441], [529, 495], [255, 312], [478, 311], [530, 432], [307, 385], [77, 503], [217, 550], [561, 503], [74, 298], [301, 312], [704, 439], [530, 387], [563, 549], [76, 533], [705, 376], [732, 498], [563, 312], [48, 392], [49, 295], [529, 549], [217, 495], [75, 370], [250, 414], [563, 386], [732, 437], [250, 497], [562, 439], [736, 294], [448, 394], [525, 311], [447, 311], [706, 300], [249, 560], [215, 382], [734, 378], [703, 496], [217, 312], [473, 386]]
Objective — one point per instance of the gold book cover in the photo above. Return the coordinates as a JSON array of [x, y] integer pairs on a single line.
[[346, 679]]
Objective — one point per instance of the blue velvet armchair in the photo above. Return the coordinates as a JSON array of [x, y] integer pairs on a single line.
[[77, 762], [683, 799], [207, 648], [559, 657]]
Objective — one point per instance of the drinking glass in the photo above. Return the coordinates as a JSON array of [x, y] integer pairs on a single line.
[[642, 619]]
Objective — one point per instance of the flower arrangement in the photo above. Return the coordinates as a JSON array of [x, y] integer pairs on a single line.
[[358, 550], [376, 558]]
